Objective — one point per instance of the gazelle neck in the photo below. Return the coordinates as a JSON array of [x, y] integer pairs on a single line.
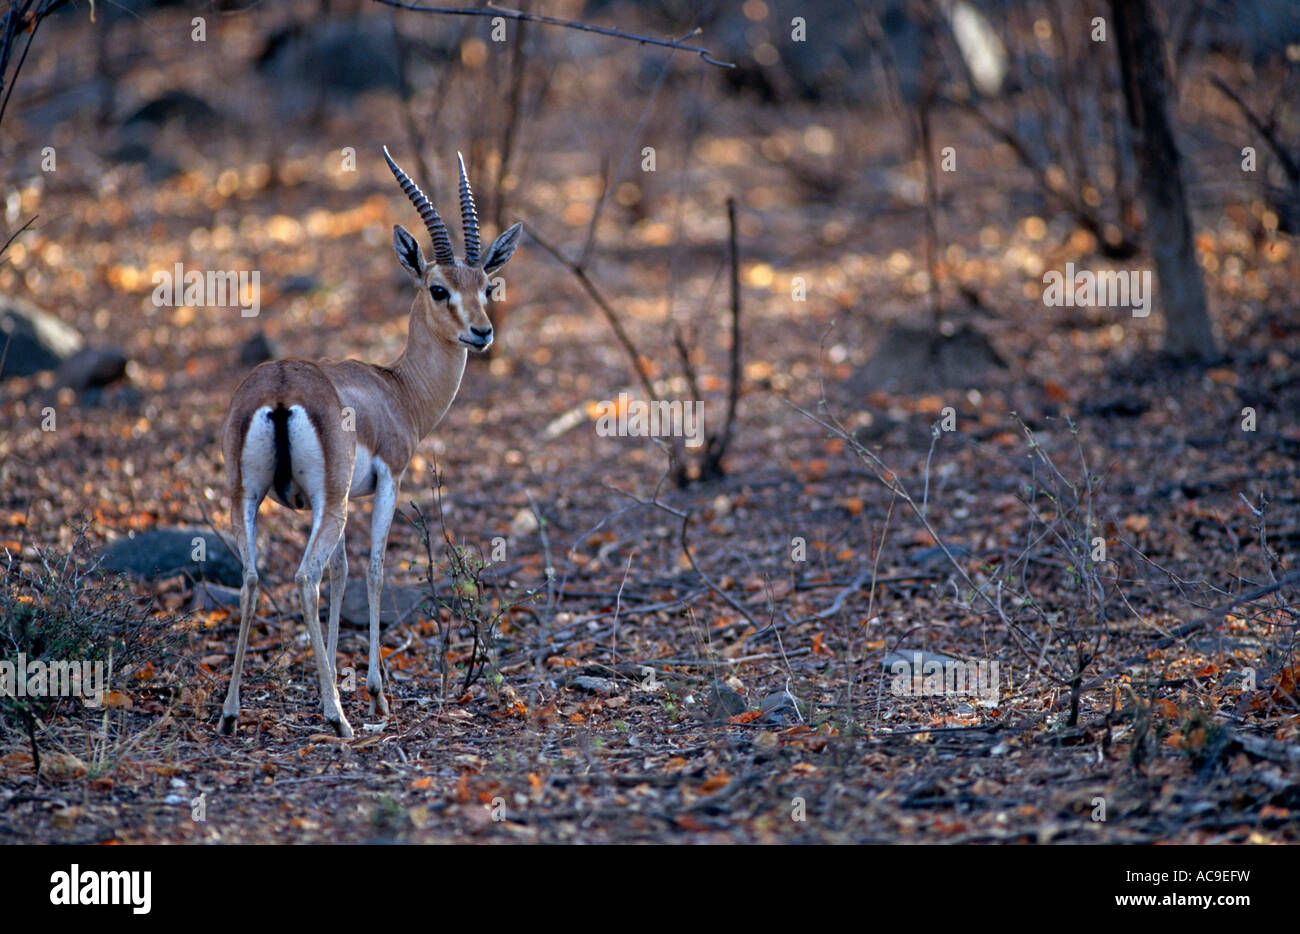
[[429, 372]]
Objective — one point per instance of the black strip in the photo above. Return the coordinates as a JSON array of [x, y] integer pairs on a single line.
[[279, 417]]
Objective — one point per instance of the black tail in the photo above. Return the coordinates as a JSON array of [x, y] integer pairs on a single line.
[[279, 417]]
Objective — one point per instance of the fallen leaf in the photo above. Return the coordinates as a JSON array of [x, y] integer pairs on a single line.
[[689, 822], [62, 766], [118, 699], [1137, 524]]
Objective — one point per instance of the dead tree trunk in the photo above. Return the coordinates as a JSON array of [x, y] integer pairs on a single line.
[[1188, 332]]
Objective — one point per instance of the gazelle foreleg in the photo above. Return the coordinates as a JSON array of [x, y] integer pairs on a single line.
[[381, 521], [325, 538], [245, 531], [338, 586]]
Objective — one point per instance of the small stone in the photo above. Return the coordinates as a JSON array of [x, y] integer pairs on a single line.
[[257, 349], [161, 553], [724, 702], [32, 341], [524, 522], [916, 659], [935, 554], [93, 368], [396, 601], [594, 685], [210, 596], [780, 708], [67, 817], [300, 285], [191, 111]]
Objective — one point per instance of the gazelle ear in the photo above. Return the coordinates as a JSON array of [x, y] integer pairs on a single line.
[[502, 248], [408, 251]]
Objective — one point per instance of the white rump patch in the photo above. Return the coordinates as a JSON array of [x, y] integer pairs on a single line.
[[307, 459], [257, 462]]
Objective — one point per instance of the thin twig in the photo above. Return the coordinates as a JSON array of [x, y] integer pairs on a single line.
[[686, 550], [495, 11], [13, 236], [718, 444], [579, 273], [1289, 162], [1200, 622], [31, 21]]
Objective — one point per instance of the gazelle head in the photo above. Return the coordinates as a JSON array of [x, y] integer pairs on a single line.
[[452, 292]]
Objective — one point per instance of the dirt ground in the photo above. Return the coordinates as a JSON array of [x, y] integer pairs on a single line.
[[624, 691]]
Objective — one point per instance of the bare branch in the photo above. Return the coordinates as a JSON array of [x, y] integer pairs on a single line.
[[494, 11], [1215, 615], [14, 236], [20, 17], [1266, 130], [579, 273], [686, 550], [718, 444]]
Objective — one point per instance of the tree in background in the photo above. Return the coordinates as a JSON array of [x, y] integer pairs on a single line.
[[1188, 332]]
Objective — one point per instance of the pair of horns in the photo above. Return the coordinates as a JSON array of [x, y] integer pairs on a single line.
[[442, 251]]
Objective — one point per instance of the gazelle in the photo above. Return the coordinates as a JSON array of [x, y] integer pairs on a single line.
[[312, 435]]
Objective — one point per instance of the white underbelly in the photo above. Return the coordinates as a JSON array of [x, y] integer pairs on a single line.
[[363, 474]]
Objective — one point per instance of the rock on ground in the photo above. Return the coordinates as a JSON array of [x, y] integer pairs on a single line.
[[161, 553], [37, 341]]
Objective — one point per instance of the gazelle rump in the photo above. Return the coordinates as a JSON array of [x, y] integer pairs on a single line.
[[313, 435]]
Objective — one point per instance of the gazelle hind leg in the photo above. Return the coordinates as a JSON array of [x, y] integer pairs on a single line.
[[338, 586], [382, 520], [325, 537], [245, 530]]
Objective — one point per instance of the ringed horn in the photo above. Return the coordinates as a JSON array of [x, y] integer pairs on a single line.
[[443, 254], [468, 215]]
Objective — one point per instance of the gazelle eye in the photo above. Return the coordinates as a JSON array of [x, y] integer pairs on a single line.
[[438, 293]]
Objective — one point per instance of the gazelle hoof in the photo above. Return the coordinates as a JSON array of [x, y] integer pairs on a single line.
[[378, 702], [342, 728], [227, 725]]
